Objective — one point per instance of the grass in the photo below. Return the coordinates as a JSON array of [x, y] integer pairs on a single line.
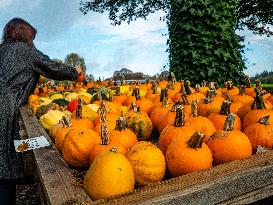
[[267, 85]]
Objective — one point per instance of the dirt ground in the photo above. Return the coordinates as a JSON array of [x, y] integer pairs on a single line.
[[28, 194]]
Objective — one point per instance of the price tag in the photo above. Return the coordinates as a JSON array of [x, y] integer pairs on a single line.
[[30, 144]]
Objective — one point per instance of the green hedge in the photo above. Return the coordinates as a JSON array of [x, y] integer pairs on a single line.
[[206, 32]]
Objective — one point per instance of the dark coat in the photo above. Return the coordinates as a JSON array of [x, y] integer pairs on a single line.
[[20, 67]]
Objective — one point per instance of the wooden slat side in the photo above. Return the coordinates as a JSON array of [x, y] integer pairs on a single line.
[[59, 184], [173, 187]]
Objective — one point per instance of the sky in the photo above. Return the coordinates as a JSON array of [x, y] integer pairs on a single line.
[[139, 46]]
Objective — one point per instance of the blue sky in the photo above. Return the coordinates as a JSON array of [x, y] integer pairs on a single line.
[[140, 46]]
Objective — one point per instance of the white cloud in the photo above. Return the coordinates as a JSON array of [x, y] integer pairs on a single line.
[[144, 31]]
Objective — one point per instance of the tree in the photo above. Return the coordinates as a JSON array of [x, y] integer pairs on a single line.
[[202, 41], [73, 59], [256, 15], [90, 78], [57, 60], [123, 74]]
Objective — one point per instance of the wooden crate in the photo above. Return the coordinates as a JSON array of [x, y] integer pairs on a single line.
[[237, 182]]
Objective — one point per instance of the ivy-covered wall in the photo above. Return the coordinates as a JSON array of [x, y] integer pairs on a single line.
[[205, 29]]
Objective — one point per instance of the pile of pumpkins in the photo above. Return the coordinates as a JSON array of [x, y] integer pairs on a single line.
[[134, 134]]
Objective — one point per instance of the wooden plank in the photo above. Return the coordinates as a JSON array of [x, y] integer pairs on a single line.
[[59, 184], [251, 197], [212, 186]]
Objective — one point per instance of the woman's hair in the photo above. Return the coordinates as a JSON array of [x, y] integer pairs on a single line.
[[18, 30]]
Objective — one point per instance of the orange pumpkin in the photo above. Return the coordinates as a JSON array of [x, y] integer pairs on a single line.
[[184, 157], [77, 146], [260, 134], [122, 135], [177, 130], [148, 163], [258, 110], [218, 119], [201, 124], [105, 145], [228, 144]]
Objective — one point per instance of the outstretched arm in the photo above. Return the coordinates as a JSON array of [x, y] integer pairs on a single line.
[[51, 69]]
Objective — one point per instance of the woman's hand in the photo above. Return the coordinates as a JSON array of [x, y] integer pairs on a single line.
[[79, 69], [81, 76]]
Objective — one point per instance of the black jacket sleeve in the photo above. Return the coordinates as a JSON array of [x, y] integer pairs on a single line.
[[51, 69]]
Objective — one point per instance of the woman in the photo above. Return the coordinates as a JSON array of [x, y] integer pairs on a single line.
[[21, 64]]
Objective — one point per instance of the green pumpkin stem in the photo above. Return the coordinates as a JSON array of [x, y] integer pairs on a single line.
[[104, 135], [225, 108], [188, 88], [120, 124], [229, 123], [196, 140], [194, 112], [264, 120], [197, 88], [184, 99], [180, 116]]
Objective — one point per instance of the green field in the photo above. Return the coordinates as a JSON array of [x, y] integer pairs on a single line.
[[267, 85]]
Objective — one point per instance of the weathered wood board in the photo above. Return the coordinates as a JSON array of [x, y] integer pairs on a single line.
[[59, 185], [237, 182]]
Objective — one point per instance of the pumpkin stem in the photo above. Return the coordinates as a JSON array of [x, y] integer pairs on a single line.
[[65, 122], [120, 124], [188, 88], [229, 123], [225, 108], [227, 96], [212, 86], [196, 140], [110, 97], [99, 97], [248, 83], [210, 94], [229, 85], [154, 88], [165, 102], [204, 83], [79, 109], [197, 88], [180, 116], [258, 84], [264, 120], [134, 106], [242, 90], [163, 94], [194, 112], [184, 99], [136, 93], [207, 100], [258, 100], [122, 82], [172, 78], [104, 135]]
